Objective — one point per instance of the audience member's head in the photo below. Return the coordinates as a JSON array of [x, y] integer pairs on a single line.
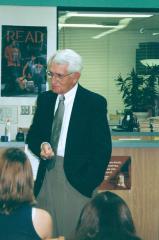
[[16, 180], [106, 217]]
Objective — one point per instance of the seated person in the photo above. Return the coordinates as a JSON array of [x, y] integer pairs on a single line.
[[19, 220], [106, 217]]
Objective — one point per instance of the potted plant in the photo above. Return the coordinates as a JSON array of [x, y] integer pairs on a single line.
[[138, 92]]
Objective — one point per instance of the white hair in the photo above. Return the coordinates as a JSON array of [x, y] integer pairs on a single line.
[[69, 57]]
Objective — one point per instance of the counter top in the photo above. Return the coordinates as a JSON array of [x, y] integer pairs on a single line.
[[114, 133], [135, 139], [12, 144], [134, 142]]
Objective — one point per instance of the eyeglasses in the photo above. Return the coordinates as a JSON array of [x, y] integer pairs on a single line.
[[57, 75]]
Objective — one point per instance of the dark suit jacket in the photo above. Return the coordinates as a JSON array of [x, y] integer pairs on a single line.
[[88, 144]]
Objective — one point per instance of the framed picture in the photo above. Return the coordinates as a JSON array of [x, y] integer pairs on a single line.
[[24, 54]]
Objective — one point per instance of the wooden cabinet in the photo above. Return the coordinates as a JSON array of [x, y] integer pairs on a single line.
[[143, 197]]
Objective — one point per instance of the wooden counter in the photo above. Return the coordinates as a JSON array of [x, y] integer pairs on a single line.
[[143, 198]]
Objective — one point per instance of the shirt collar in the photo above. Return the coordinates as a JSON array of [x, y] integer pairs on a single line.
[[71, 93]]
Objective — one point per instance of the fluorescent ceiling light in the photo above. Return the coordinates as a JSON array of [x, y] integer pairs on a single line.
[[155, 33], [150, 62], [109, 15], [123, 23], [76, 25], [63, 18]]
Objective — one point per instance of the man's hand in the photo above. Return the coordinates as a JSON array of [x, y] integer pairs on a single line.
[[46, 151]]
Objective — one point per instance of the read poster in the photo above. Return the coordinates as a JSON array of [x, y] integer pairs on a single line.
[[24, 54]]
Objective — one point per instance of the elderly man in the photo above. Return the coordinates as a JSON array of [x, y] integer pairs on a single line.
[[71, 135]]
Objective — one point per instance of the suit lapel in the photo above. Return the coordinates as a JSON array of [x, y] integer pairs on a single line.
[[50, 106]]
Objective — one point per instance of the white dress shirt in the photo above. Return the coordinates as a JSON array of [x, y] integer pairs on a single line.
[[69, 100]]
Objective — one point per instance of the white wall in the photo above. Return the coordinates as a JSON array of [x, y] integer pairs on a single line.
[[27, 16]]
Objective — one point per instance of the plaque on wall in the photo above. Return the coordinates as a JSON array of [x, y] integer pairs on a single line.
[[118, 174]]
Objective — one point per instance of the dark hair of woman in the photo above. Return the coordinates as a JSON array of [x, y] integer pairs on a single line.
[[106, 217], [16, 180]]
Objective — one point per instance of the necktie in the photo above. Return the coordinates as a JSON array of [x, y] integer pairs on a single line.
[[56, 128]]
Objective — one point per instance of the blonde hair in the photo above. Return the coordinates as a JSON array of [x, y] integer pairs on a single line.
[[16, 180]]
